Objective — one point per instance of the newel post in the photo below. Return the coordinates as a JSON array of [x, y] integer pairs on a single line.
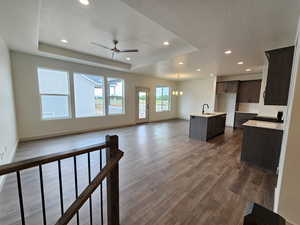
[[113, 207]]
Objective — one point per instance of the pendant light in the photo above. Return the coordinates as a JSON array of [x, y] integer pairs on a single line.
[[176, 92]]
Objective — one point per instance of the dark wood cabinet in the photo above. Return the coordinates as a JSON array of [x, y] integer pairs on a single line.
[[241, 118], [258, 215], [261, 147], [215, 126], [279, 76], [204, 128], [267, 119], [227, 87], [220, 124], [249, 91]]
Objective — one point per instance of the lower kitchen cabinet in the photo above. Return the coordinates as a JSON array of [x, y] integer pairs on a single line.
[[261, 147], [206, 127], [241, 118], [215, 126]]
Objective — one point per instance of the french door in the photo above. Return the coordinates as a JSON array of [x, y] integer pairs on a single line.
[[142, 105]]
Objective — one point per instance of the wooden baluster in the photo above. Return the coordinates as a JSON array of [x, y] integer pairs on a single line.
[[112, 182]]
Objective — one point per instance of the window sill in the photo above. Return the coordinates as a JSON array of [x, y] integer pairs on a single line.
[[117, 114], [58, 118], [163, 111], [85, 117]]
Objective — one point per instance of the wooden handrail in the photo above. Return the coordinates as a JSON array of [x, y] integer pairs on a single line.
[[88, 191], [110, 172], [29, 163]]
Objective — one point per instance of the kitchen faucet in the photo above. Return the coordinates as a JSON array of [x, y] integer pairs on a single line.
[[203, 107]]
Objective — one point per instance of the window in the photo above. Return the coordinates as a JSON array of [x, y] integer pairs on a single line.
[[115, 96], [54, 93], [89, 95], [163, 99]]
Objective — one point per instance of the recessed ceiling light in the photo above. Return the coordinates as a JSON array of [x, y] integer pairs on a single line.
[[240, 63], [212, 74], [180, 63], [84, 2], [248, 70], [198, 70], [166, 43], [227, 52], [128, 58], [64, 41]]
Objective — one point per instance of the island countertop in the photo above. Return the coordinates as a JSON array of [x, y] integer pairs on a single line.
[[208, 115], [264, 124]]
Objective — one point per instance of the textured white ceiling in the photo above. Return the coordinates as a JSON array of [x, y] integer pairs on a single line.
[[19, 24], [102, 22], [199, 31], [247, 27]]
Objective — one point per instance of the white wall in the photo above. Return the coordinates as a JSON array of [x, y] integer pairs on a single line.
[[195, 94], [254, 76], [248, 107], [226, 103], [287, 193], [8, 131], [26, 94]]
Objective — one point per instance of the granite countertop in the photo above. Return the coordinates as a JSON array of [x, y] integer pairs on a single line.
[[210, 114], [264, 124]]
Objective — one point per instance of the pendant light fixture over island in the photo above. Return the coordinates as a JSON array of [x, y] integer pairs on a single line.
[[177, 92]]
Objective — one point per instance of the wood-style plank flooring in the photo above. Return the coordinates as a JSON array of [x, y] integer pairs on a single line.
[[165, 178]]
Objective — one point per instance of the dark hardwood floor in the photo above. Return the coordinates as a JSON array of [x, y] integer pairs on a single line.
[[165, 178]]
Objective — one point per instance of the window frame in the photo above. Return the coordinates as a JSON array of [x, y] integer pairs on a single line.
[[107, 94], [169, 101], [104, 97], [70, 114]]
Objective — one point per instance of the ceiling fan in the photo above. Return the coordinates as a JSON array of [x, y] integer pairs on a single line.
[[115, 50]]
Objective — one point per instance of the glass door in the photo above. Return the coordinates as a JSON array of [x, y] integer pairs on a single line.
[[142, 102]]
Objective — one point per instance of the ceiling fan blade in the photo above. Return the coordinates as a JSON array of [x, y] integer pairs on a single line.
[[99, 45], [130, 50]]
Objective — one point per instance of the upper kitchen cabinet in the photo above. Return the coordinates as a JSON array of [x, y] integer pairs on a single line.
[[249, 91], [227, 87], [279, 76]]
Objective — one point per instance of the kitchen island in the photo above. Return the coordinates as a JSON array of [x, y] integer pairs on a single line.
[[204, 126], [262, 143]]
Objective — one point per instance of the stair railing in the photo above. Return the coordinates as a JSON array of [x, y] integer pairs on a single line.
[[110, 171]]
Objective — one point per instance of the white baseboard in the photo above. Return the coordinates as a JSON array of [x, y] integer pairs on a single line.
[[65, 133], [10, 160]]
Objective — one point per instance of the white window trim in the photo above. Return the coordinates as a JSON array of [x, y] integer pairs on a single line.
[[70, 116], [107, 97], [71, 95], [104, 92], [170, 99]]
